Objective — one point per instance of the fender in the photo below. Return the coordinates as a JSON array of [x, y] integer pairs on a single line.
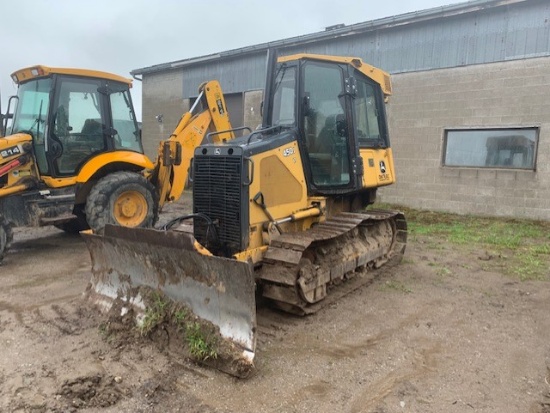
[[96, 163]]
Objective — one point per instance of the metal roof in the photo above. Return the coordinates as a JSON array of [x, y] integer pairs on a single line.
[[337, 32]]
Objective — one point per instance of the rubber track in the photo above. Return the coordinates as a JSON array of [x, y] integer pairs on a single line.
[[280, 269]]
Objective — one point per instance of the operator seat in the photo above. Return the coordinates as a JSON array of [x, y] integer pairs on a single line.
[[92, 135], [327, 135]]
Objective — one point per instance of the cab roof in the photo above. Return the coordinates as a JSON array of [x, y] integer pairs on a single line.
[[28, 73], [378, 75]]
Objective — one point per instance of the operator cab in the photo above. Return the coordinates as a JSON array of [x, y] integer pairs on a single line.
[[336, 110], [72, 116]]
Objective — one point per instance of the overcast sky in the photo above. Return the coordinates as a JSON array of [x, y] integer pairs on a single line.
[[122, 35]]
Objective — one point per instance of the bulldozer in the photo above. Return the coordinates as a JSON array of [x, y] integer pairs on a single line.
[[279, 214], [74, 156]]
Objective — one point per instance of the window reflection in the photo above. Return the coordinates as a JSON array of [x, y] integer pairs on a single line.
[[491, 148]]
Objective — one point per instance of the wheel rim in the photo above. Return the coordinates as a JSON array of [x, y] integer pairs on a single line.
[[130, 209]]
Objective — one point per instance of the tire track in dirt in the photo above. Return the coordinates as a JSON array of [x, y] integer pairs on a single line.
[[21, 312], [424, 362]]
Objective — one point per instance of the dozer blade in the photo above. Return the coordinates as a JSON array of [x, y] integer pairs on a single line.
[[219, 290]]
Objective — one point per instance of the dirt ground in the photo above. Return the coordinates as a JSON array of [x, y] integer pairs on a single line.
[[442, 332]]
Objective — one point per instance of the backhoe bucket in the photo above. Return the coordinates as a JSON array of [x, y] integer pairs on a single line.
[[219, 290]]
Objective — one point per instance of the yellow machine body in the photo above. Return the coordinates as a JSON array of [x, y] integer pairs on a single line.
[[279, 212], [72, 156]]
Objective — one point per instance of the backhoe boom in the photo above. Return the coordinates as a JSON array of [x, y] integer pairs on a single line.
[[175, 153]]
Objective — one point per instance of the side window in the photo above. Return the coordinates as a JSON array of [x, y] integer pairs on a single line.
[[367, 115], [491, 148], [124, 123], [78, 109], [285, 97]]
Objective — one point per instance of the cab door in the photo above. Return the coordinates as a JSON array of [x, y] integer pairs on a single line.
[[79, 124], [325, 125]]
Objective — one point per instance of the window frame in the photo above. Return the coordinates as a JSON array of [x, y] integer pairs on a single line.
[[531, 168]]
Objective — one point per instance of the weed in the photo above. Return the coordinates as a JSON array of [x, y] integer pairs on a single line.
[[531, 266], [541, 249], [103, 329], [395, 286], [155, 313], [180, 315], [202, 345], [444, 272], [106, 332]]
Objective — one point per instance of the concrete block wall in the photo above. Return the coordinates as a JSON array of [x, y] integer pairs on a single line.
[[424, 104], [162, 95]]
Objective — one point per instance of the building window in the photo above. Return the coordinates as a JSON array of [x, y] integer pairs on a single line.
[[512, 148]]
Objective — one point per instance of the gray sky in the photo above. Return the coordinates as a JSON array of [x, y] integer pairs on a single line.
[[122, 35]]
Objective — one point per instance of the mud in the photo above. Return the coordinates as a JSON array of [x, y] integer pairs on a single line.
[[173, 329], [445, 331]]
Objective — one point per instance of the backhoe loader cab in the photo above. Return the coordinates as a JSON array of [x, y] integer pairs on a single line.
[[73, 115], [72, 155]]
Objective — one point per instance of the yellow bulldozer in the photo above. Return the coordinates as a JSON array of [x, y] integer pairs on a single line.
[[279, 213], [73, 157]]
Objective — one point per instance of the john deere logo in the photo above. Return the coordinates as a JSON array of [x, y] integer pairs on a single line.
[[382, 167]]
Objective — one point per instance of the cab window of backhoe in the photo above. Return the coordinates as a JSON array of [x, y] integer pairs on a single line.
[[124, 123], [325, 125], [79, 124], [31, 114], [368, 116]]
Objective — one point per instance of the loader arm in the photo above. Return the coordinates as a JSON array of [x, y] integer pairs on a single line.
[[171, 169]]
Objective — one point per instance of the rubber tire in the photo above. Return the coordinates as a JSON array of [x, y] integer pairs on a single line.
[[6, 237], [101, 199]]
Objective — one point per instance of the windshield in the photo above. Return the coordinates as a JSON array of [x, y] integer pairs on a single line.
[[32, 108]]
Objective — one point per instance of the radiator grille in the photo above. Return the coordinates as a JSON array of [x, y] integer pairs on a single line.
[[217, 193]]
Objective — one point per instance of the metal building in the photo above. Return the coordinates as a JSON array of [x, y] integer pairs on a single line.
[[470, 111]]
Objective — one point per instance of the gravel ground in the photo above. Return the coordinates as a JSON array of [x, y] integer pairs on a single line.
[[443, 332]]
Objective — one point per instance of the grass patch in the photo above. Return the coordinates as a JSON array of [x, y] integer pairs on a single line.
[[521, 248], [201, 338], [106, 332], [534, 266], [155, 313], [391, 285], [202, 345]]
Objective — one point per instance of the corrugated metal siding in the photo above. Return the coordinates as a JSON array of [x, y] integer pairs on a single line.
[[497, 34], [494, 35], [235, 75]]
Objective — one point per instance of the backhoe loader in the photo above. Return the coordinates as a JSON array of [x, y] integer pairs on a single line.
[[74, 157], [279, 213]]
